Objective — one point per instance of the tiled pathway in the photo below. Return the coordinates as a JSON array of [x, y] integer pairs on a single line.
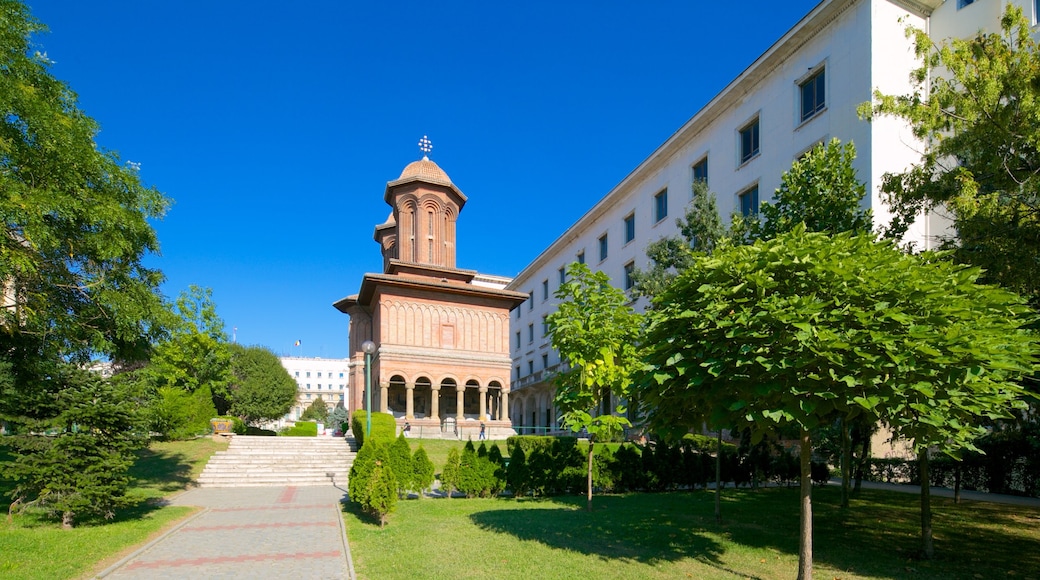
[[258, 532]]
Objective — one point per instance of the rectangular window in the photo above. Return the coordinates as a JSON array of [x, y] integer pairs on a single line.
[[545, 361], [545, 289], [603, 247], [519, 311], [563, 276], [749, 201], [319, 374], [341, 375], [630, 269], [297, 374], [545, 325], [308, 374], [518, 339], [813, 95], [581, 257], [749, 141], [661, 205], [630, 227], [700, 171], [963, 3], [530, 300], [530, 332], [530, 367], [518, 372]]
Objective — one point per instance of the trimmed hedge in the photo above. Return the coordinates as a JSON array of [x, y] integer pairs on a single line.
[[383, 426], [302, 429], [986, 473]]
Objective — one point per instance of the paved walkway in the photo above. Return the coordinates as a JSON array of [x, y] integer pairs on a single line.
[[249, 532]]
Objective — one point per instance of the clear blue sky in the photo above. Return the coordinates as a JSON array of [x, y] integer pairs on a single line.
[[274, 126]]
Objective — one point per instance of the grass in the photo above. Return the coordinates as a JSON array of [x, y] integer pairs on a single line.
[[32, 547], [674, 535]]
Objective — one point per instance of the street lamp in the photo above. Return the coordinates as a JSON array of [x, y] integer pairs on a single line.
[[369, 347]]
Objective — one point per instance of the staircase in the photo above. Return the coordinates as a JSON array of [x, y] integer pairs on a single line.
[[251, 461]]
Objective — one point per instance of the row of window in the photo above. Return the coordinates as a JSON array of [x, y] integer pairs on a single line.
[[330, 399], [530, 366], [330, 386], [297, 373]]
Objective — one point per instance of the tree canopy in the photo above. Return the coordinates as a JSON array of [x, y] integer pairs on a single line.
[[808, 328], [76, 222], [975, 107], [261, 388]]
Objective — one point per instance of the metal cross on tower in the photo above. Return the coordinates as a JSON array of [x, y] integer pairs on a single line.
[[425, 145]]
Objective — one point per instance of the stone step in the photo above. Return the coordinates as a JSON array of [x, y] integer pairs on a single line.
[[257, 461]]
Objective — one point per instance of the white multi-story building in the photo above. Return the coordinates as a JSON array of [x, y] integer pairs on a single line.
[[324, 379], [803, 91]]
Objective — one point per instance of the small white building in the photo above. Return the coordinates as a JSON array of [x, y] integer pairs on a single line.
[[803, 91], [324, 379]]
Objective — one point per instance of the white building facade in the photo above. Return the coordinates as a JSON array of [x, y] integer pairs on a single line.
[[803, 91], [324, 379]]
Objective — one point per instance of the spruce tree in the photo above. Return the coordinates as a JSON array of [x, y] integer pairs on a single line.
[[422, 470]]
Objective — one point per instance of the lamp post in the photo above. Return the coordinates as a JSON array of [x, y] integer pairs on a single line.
[[369, 347]]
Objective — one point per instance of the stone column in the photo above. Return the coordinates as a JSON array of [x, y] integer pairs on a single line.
[[460, 392], [409, 405], [504, 408], [483, 402], [384, 397], [435, 396]]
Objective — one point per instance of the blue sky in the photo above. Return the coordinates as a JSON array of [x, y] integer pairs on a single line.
[[275, 126]]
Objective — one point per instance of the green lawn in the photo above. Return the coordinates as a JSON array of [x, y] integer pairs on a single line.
[[674, 535], [33, 548]]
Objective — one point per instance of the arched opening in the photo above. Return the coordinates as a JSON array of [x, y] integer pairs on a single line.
[[494, 400], [446, 402], [421, 397], [471, 399], [396, 396]]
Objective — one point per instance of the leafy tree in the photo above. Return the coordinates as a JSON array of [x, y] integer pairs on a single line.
[[423, 470], [820, 191], [316, 411], [975, 105], [81, 471], [595, 331], [805, 329], [400, 457], [261, 388], [338, 417], [450, 474], [76, 225], [700, 230], [196, 355]]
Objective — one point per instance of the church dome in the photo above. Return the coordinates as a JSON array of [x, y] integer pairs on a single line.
[[425, 169]]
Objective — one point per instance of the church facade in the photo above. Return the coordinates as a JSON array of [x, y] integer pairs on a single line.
[[441, 363]]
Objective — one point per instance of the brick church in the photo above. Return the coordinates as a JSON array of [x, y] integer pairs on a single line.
[[441, 362]]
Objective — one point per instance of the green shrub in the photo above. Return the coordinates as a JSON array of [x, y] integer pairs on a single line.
[[422, 470], [518, 476], [630, 468], [250, 430], [302, 429], [530, 443], [383, 426], [361, 472], [450, 473], [401, 463]]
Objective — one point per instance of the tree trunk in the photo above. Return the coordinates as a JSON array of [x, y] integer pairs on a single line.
[[846, 463], [863, 461], [805, 559], [718, 480], [927, 546], [957, 484], [66, 520], [588, 503]]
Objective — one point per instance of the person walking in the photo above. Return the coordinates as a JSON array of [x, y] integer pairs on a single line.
[[483, 435]]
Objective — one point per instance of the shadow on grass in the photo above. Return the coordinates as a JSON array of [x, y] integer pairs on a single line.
[[163, 471], [879, 534], [641, 527]]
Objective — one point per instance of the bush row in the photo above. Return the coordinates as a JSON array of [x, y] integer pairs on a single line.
[[986, 473], [382, 474]]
